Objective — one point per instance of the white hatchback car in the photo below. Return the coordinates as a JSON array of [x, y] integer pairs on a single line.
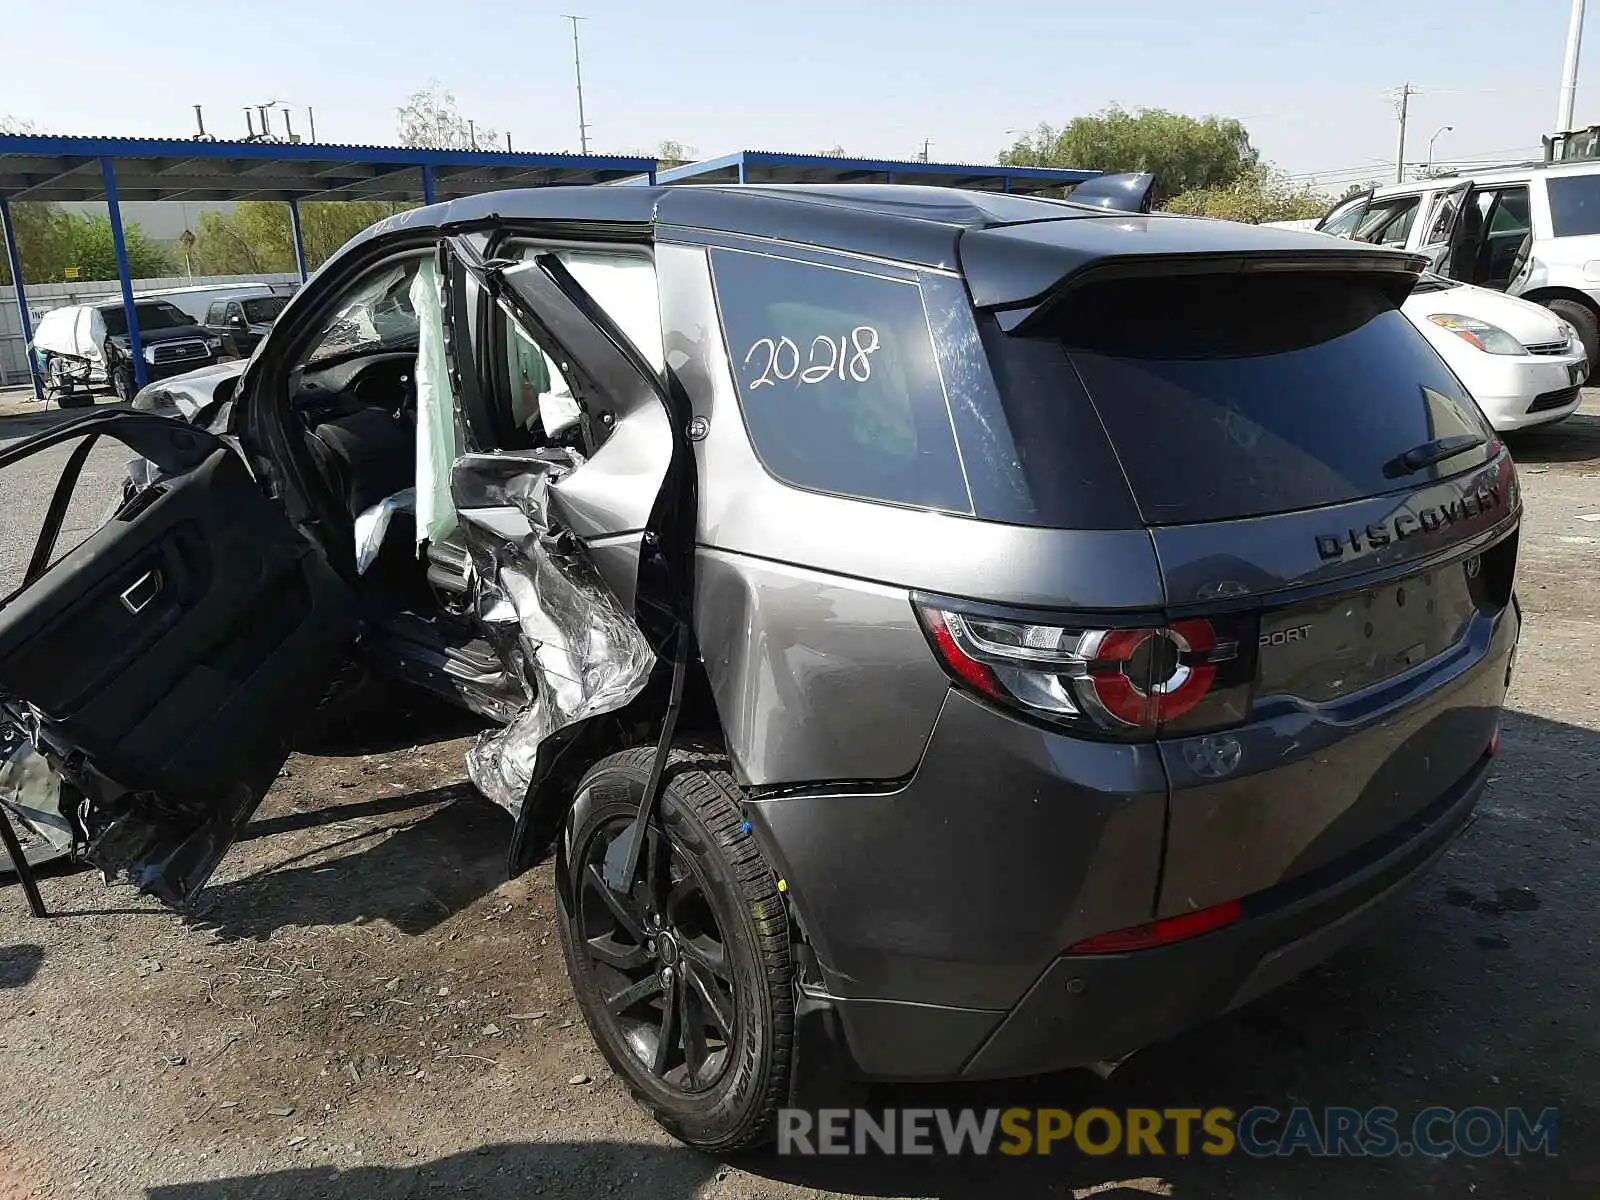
[[1523, 363]]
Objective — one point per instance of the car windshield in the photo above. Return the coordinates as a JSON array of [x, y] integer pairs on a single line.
[[1574, 204], [377, 316], [263, 310], [153, 314]]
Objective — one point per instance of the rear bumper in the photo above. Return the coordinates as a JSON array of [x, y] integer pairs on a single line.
[[1101, 1007], [1094, 1008]]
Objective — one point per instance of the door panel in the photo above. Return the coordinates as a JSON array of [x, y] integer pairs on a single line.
[[1445, 227], [168, 659]]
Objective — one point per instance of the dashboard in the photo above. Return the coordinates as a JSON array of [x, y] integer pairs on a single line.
[[387, 381]]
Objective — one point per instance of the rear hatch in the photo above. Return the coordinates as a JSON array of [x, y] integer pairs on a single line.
[[1321, 491]]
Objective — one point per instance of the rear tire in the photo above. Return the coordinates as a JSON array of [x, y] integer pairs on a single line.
[[1582, 318], [694, 1007]]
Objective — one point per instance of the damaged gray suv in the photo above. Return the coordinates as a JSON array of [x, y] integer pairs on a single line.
[[940, 635]]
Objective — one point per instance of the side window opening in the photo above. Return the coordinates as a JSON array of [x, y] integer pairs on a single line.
[[1389, 223], [838, 380], [356, 403], [534, 390]]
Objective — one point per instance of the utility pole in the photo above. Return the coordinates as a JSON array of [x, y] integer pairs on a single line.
[[577, 68], [1406, 92], [1569, 69], [926, 142]]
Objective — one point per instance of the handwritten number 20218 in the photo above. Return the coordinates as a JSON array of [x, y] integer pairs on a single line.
[[842, 358]]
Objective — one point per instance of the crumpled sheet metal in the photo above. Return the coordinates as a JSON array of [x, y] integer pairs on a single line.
[[576, 650], [30, 790]]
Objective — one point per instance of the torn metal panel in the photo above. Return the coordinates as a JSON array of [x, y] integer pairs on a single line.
[[31, 791], [560, 631]]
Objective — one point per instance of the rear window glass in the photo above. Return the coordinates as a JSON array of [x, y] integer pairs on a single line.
[[838, 380], [1574, 204], [1244, 395]]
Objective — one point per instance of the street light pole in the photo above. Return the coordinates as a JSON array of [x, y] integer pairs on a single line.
[[577, 68], [1569, 69], [1435, 138]]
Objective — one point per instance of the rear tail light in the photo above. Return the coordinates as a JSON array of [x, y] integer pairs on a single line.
[[1188, 675], [1163, 932]]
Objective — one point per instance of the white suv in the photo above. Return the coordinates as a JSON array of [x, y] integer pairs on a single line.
[[1531, 231]]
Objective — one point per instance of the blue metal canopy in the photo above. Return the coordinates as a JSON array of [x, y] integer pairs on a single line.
[[69, 168], [768, 166], [45, 168]]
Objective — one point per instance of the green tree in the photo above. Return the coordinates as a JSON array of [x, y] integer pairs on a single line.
[[1259, 194], [86, 243], [255, 238], [674, 154], [1184, 152], [49, 241], [429, 118], [39, 228]]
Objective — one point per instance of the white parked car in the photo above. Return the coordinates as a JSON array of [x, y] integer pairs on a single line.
[[1531, 230], [1522, 363]]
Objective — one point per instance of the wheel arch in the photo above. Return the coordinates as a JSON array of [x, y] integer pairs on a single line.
[[568, 754], [1543, 295]]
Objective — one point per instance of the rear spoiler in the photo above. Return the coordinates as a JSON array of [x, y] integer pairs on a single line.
[[1131, 191], [1019, 271]]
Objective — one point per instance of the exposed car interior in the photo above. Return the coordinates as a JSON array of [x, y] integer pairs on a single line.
[[356, 394]]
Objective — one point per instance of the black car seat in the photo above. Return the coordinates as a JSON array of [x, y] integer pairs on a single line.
[[365, 454]]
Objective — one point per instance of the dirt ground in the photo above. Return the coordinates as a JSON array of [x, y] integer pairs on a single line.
[[363, 1005]]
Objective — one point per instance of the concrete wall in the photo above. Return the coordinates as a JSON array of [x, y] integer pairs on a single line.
[[44, 296]]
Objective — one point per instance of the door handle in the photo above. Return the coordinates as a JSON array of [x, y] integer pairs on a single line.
[[143, 590]]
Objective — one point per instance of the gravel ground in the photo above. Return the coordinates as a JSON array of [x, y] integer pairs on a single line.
[[362, 1005]]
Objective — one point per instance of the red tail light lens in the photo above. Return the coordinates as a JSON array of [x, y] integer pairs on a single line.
[[1124, 682], [1163, 932]]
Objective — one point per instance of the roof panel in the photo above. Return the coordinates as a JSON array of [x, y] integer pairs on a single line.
[[771, 166]]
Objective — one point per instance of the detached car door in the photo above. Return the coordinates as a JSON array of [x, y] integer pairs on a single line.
[[164, 664]]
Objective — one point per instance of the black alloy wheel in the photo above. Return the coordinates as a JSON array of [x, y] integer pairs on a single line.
[[690, 999]]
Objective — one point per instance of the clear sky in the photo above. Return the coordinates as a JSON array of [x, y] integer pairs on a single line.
[[1309, 79]]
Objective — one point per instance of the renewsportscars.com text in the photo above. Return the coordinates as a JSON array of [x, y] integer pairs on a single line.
[[1259, 1132]]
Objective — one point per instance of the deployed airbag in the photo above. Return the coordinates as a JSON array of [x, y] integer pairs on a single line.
[[437, 446]]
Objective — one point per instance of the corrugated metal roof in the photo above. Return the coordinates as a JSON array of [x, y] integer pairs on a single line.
[[69, 167]]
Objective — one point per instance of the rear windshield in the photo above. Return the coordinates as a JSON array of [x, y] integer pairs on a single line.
[[1574, 204], [1242, 395]]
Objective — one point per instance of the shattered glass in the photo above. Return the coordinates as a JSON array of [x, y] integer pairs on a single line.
[[556, 625]]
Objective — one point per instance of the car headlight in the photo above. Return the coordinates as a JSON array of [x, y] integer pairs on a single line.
[[213, 343], [150, 354], [1491, 339]]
